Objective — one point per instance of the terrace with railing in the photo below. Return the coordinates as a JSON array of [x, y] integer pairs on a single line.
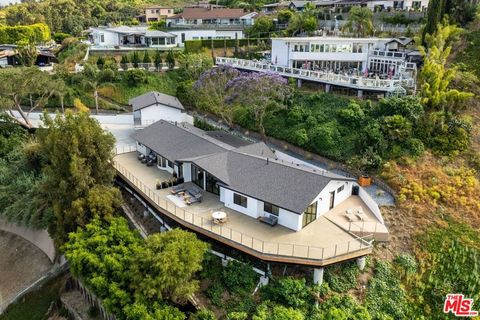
[[349, 81], [320, 243]]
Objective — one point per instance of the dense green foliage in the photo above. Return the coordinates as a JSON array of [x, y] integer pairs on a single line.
[[35, 33], [78, 173], [449, 262], [135, 278], [70, 16]]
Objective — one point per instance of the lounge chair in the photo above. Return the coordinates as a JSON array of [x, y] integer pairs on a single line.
[[360, 214], [177, 189], [349, 214]]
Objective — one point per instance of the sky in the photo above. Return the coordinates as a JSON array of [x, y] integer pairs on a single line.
[[5, 2]]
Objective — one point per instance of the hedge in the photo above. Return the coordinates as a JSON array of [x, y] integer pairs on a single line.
[[197, 45], [37, 33]]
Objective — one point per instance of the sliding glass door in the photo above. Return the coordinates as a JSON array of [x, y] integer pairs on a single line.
[[211, 184], [197, 176]]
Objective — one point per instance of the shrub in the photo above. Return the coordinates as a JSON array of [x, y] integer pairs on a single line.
[[342, 277], [239, 277], [271, 311], [135, 77], [288, 292], [203, 314], [60, 36], [237, 316], [215, 292]]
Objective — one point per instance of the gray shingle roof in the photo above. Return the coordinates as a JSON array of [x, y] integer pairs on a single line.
[[250, 169], [175, 142], [228, 138], [154, 97], [288, 186]]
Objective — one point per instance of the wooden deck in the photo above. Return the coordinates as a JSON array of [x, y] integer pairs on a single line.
[[321, 243]]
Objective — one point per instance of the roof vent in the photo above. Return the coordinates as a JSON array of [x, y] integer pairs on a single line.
[[267, 160]]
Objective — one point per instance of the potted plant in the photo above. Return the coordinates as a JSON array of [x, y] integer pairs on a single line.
[[158, 185], [164, 184], [364, 180]]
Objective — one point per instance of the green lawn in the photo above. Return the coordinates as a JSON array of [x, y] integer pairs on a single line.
[[165, 82]]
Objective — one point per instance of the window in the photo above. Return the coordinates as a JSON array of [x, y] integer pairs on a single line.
[[340, 189], [310, 214], [102, 38], [240, 200], [270, 208], [170, 164]]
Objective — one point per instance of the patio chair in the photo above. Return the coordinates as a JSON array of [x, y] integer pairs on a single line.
[[360, 214], [177, 189], [349, 214]]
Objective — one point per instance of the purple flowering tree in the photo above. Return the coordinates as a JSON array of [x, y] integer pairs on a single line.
[[262, 93], [211, 92]]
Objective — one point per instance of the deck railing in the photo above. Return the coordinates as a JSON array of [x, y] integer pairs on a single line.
[[356, 82], [359, 244]]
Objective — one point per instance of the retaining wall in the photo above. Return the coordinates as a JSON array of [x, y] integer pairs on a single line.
[[39, 238]]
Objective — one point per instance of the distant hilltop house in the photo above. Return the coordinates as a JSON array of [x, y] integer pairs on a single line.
[[156, 13], [364, 55], [374, 5], [377, 67], [142, 37], [196, 16], [154, 106]]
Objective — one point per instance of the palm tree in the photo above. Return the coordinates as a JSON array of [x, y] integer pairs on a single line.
[[359, 21], [92, 81]]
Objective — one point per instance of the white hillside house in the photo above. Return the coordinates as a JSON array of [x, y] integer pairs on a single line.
[[155, 106]]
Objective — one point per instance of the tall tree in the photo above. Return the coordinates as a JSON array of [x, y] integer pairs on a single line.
[[92, 80], [78, 176], [25, 90], [436, 76], [163, 268], [211, 92], [260, 93], [359, 21]]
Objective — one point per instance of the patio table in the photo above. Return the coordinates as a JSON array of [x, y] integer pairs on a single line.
[[219, 216]]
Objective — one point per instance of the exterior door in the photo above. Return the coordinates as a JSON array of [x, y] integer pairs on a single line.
[[332, 200]]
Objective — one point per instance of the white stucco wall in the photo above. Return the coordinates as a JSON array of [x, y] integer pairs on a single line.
[[323, 204], [110, 38], [280, 52], [198, 34], [252, 204], [158, 112], [141, 148], [289, 219], [255, 207], [371, 204]]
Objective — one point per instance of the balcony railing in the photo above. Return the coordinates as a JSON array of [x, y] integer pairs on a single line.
[[356, 82], [358, 245]]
